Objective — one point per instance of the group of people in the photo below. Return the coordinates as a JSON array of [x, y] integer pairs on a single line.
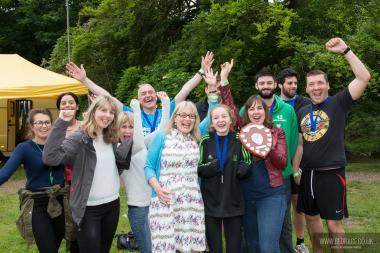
[[189, 180]]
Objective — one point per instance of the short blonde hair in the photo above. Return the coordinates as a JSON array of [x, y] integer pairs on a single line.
[[178, 109], [89, 125], [124, 117]]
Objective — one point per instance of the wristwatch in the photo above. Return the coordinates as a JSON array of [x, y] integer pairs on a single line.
[[201, 72], [348, 49]]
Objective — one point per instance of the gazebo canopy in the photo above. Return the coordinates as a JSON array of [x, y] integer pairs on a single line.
[[20, 78]]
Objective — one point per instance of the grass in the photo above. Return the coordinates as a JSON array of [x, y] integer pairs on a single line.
[[367, 166], [10, 239], [363, 206]]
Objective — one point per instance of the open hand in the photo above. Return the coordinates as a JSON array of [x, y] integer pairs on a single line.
[[207, 60], [75, 72], [210, 77], [225, 69]]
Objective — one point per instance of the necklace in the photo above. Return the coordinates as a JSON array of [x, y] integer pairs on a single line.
[[51, 177]]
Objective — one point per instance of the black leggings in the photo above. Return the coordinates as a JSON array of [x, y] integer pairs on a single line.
[[48, 232], [232, 233], [98, 227]]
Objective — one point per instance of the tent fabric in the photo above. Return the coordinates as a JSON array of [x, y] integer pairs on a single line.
[[20, 78]]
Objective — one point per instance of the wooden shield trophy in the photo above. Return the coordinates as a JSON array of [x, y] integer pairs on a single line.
[[257, 139]]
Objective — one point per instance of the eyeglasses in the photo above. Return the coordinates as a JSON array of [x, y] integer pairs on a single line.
[[185, 115], [41, 123]]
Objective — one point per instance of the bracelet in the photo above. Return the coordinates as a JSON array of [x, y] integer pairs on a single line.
[[298, 173], [201, 72], [225, 82], [213, 98], [348, 49]]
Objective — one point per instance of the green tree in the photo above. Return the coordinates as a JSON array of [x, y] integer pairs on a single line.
[[31, 28]]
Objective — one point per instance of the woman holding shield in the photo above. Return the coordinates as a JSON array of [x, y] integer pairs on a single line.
[[264, 192]]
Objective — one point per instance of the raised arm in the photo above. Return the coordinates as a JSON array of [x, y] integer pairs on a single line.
[[165, 116], [207, 61], [225, 90], [59, 150], [80, 75], [362, 76], [138, 135]]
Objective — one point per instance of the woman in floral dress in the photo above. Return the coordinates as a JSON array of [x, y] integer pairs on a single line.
[[176, 212]]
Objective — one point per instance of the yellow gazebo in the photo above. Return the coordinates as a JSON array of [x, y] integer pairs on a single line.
[[24, 85], [20, 78]]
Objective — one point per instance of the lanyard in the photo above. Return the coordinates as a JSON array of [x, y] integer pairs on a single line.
[[221, 155], [292, 102], [313, 120], [51, 177], [152, 126], [272, 107]]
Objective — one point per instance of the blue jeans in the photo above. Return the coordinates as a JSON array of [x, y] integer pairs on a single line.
[[286, 242], [262, 223], [138, 219]]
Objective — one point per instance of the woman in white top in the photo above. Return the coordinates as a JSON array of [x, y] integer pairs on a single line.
[[137, 188], [94, 192]]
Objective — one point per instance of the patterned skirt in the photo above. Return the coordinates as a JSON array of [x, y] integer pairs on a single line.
[[181, 224]]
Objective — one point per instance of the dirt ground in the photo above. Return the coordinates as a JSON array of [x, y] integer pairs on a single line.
[[13, 186]]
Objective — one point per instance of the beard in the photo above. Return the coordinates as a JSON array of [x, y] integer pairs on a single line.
[[290, 94], [266, 95]]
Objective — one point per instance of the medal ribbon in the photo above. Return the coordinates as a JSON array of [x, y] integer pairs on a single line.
[[221, 156], [152, 127], [313, 121]]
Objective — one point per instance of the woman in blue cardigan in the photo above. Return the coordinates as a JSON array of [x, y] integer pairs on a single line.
[[176, 212]]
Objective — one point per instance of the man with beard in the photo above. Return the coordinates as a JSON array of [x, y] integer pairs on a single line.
[[287, 80], [283, 116]]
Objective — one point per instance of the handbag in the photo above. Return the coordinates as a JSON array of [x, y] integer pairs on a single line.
[[126, 241]]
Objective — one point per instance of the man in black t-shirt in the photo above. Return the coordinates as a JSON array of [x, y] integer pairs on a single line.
[[321, 124]]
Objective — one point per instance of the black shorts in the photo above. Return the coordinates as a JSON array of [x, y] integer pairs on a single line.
[[295, 187], [323, 193]]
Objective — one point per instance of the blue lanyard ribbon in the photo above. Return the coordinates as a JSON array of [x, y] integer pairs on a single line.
[[292, 102], [313, 120], [272, 107], [221, 156], [152, 126]]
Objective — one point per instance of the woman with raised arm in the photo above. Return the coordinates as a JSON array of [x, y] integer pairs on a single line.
[[92, 151]]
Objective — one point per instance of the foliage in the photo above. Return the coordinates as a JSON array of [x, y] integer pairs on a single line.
[[123, 43], [250, 31], [123, 33], [31, 28]]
